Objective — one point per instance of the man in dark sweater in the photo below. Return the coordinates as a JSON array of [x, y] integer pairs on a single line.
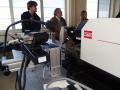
[[30, 26]]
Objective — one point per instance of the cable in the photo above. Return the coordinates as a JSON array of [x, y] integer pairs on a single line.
[[16, 80], [20, 76], [12, 36], [24, 65], [24, 74]]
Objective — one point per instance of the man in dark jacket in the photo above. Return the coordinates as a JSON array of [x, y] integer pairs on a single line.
[[30, 26]]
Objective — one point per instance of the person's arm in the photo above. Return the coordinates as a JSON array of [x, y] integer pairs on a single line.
[[28, 25], [38, 26], [24, 24], [54, 25], [63, 22]]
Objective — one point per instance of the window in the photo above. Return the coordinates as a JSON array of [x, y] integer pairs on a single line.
[[98, 8], [104, 6], [49, 7], [5, 18], [92, 8]]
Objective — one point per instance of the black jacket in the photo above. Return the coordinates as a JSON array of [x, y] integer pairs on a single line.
[[32, 26]]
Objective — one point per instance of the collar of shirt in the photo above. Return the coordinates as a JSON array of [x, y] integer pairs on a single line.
[[58, 18]]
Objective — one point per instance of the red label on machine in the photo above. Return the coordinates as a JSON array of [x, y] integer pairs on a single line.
[[88, 34]]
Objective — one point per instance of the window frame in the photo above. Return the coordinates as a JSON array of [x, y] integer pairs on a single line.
[[12, 17], [98, 9]]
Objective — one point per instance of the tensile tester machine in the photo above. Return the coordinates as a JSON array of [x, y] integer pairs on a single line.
[[100, 48]]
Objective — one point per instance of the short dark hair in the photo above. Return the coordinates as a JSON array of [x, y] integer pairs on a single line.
[[83, 11], [31, 3], [56, 10]]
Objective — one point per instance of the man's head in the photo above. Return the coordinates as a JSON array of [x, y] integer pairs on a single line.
[[83, 15], [58, 12], [31, 6]]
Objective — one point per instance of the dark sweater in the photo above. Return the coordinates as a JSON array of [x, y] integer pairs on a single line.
[[32, 26]]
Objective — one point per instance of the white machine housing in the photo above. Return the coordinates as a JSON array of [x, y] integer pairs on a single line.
[[100, 44]]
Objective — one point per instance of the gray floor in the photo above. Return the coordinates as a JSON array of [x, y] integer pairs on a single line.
[[34, 81]]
